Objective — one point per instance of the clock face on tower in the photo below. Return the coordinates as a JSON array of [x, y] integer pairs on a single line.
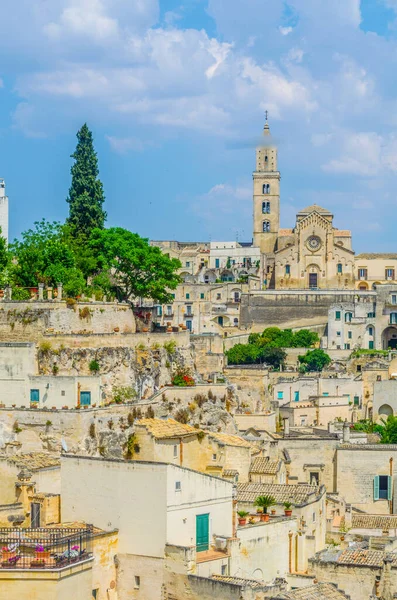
[[313, 242]]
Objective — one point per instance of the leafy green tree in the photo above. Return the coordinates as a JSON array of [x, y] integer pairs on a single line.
[[305, 338], [389, 430], [43, 256], [273, 356], [315, 360], [86, 196], [132, 267]]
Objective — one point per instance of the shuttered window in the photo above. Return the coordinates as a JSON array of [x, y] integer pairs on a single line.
[[382, 487]]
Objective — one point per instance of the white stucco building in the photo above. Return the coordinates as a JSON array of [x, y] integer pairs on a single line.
[[3, 209]]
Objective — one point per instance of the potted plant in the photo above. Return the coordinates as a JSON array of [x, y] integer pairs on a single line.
[[7, 554], [41, 553], [265, 502], [273, 512], [287, 509], [242, 517]]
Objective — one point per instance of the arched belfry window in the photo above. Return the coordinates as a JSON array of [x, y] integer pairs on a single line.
[[265, 208], [266, 226], [266, 188]]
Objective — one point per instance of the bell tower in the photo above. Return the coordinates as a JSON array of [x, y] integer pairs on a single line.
[[266, 180]]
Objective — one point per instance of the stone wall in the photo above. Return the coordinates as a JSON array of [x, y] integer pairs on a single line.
[[29, 321], [289, 308]]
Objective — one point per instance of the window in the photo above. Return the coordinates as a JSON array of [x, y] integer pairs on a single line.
[[169, 310], [394, 298], [338, 333], [356, 401], [34, 395], [337, 315], [175, 451], [201, 296], [349, 335], [325, 393], [187, 296], [178, 486], [288, 269], [188, 264], [280, 395], [159, 311], [339, 268], [296, 396], [63, 392], [214, 457], [189, 309], [266, 226], [173, 296], [85, 398], [314, 478], [358, 368], [218, 296], [389, 273], [266, 207], [137, 582], [393, 318], [382, 487], [348, 317], [371, 315], [362, 273], [189, 325], [378, 378], [95, 593], [235, 321], [314, 517], [224, 570], [347, 346], [370, 331], [371, 345], [217, 263]]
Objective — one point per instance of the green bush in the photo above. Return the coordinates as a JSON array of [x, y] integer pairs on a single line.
[[314, 360], [94, 366]]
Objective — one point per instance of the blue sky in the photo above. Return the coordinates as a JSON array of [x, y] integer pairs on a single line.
[[175, 93]]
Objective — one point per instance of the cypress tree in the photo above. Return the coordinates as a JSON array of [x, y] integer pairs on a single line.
[[86, 195]]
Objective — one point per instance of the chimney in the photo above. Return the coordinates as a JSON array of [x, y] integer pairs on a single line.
[[346, 432], [286, 426]]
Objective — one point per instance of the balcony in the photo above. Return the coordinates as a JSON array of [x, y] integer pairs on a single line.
[[44, 548], [168, 315], [188, 315]]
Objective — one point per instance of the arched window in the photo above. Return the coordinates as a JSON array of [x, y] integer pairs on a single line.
[[288, 269], [266, 207], [266, 226], [393, 318], [266, 159], [235, 321], [266, 188], [339, 268], [348, 317]]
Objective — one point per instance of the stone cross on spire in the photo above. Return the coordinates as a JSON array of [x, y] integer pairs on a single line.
[[266, 129]]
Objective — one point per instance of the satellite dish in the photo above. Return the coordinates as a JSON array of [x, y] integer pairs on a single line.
[[64, 446]]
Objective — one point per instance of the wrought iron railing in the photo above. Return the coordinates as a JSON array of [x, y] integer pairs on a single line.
[[44, 548]]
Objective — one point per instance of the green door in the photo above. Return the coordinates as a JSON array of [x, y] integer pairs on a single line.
[[202, 532]]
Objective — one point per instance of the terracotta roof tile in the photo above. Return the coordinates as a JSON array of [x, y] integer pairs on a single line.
[[252, 583], [296, 494], [369, 558], [374, 522], [34, 461], [229, 440], [320, 591], [342, 233], [263, 465], [163, 429]]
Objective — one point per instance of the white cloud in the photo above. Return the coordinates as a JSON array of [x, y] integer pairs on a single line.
[[365, 154], [226, 201], [285, 30], [122, 145]]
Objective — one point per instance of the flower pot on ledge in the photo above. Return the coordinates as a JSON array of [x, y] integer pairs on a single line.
[[264, 517], [6, 556], [288, 513], [242, 521]]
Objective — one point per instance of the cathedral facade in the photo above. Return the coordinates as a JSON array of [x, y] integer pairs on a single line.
[[313, 254]]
